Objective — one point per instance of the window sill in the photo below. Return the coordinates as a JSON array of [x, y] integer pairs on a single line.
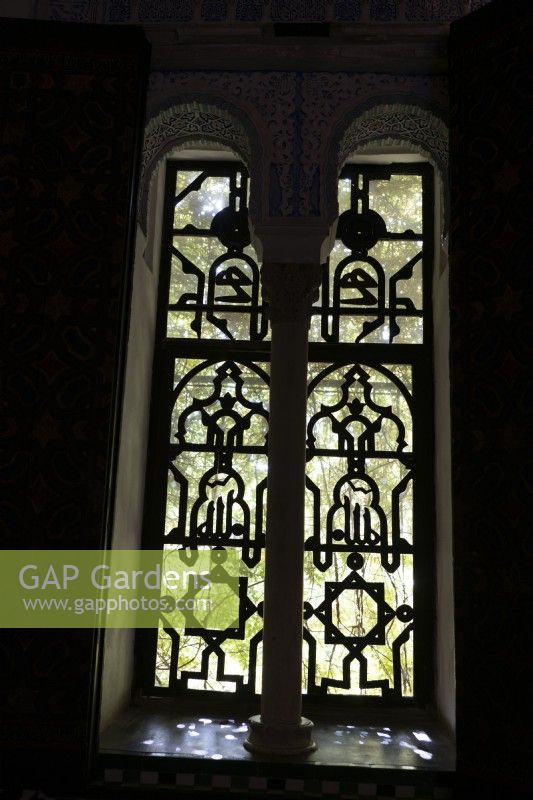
[[154, 741]]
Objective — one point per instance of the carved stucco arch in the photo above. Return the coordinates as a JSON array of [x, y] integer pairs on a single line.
[[391, 125], [199, 123]]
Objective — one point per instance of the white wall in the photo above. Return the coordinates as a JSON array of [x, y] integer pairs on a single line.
[[127, 530]]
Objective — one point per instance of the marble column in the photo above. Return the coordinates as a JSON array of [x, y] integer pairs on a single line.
[[290, 290]]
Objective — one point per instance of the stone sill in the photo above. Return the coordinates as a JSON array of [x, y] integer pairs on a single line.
[[399, 740]]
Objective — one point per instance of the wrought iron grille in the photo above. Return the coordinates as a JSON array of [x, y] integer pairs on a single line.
[[359, 615], [207, 474], [369, 488], [215, 290], [372, 286], [369, 485]]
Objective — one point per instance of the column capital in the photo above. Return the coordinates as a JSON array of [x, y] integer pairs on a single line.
[[290, 290], [294, 240]]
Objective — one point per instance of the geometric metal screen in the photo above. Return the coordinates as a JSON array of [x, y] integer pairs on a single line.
[[372, 286], [369, 485], [217, 460], [359, 485], [208, 462], [215, 290], [368, 528]]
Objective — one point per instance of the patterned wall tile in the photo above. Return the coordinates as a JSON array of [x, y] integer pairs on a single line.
[[249, 10], [171, 11], [434, 10], [214, 10], [73, 10], [347, 10], [166, 11], [298, 10], [117, 11], [383, 10], [491, 354], [269, 787], [68, 163]]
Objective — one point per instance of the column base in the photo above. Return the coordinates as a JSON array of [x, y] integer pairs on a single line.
[[280, 739]]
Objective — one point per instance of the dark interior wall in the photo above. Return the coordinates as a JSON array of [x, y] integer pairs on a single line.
[[492, 353], [69, 112], [71, 118]]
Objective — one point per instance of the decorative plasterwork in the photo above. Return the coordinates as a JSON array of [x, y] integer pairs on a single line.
[[406, 123], [394, 125], [264, 102], [198, 124], [300, 120], [330, 102], [290, 290]]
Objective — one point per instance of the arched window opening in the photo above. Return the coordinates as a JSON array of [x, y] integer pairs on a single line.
[[369, 490], [369, 527], [207, 464]]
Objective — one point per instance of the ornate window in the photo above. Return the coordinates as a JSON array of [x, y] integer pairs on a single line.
[[369, 526], [208, 465], [369, 491]]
